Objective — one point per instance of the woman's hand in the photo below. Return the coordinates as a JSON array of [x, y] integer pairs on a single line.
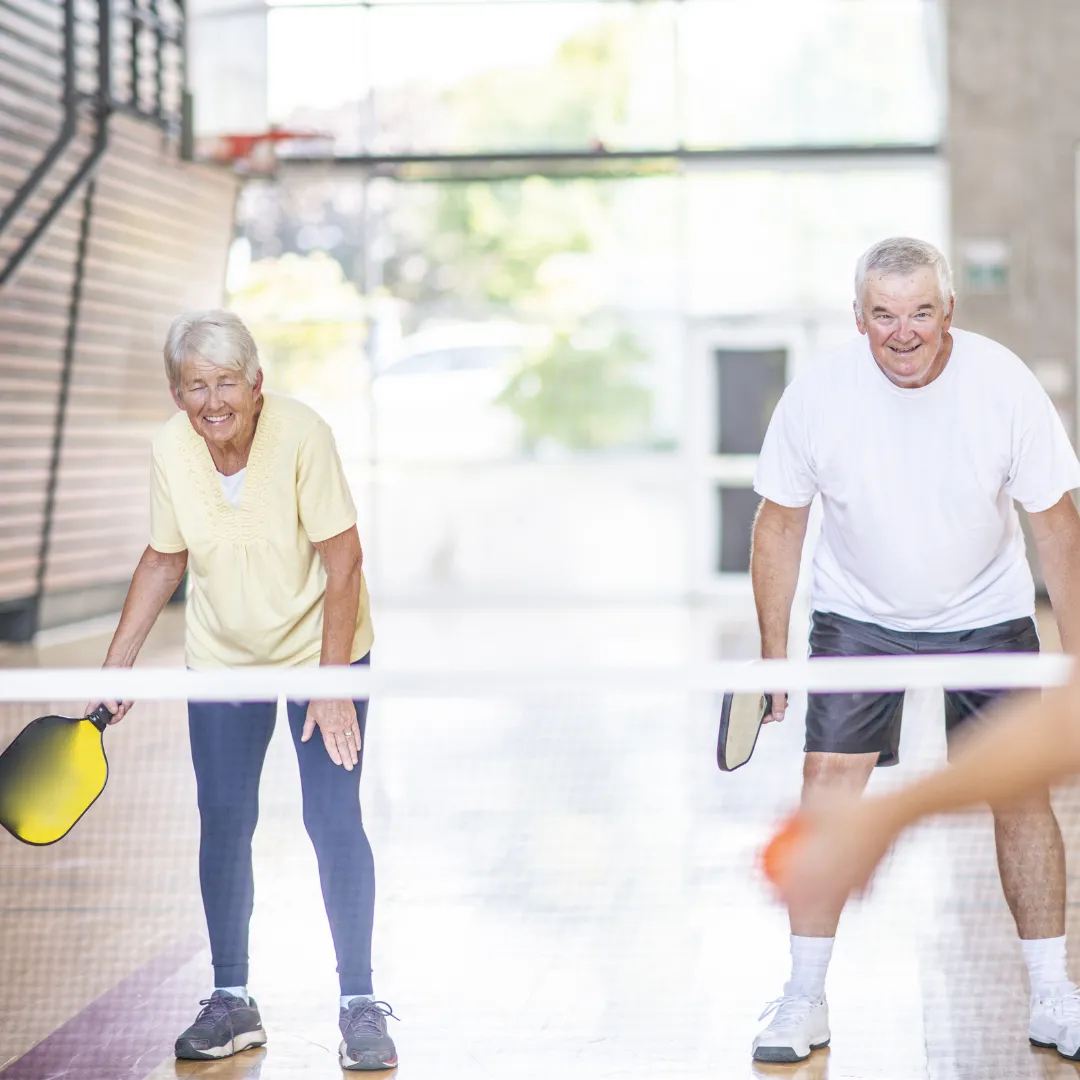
[[342, 557], [119, 709], [340, 730]]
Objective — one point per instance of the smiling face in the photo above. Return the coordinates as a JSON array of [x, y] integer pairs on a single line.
[[907, 323], [221, 405]]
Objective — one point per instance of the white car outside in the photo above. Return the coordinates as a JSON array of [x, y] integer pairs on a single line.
[[436, 401]]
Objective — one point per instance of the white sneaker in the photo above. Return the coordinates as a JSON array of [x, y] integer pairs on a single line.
[[798, 1025], [1055, 1022]]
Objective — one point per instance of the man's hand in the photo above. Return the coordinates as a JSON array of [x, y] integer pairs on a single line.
[[779, 708], [340, 730]]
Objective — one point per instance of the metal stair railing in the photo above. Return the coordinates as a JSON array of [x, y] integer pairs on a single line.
[[153, 92]]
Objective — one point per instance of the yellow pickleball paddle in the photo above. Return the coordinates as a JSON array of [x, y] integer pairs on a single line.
[[50, 775]]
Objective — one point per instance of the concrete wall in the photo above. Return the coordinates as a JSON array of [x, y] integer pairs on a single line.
[[1012, 136]]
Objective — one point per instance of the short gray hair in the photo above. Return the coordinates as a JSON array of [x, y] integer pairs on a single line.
[[218, 337], [902, 255]]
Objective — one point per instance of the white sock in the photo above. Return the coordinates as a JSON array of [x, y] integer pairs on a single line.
[[236, 991], [809, 962], [348, 999], [1046, 963]]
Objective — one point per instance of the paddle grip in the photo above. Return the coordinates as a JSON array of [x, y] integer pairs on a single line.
[[100, 717]]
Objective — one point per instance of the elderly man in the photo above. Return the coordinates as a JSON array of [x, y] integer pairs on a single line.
[[918, 437]]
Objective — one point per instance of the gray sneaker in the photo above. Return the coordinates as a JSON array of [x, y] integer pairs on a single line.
[[365, 1045], [226, 1025]]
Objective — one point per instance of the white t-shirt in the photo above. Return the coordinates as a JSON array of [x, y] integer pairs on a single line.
[[918, 530]]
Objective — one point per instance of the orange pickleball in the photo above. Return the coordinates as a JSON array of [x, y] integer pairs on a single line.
[[778, 851]]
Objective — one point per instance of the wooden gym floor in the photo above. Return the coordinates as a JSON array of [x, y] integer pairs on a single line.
[[566, 889]]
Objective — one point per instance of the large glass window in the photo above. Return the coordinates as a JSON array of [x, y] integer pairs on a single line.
[[562, 304], [474, 76], [524, 77], [515, 360], [826, 72], [316, 75], [783, 240]]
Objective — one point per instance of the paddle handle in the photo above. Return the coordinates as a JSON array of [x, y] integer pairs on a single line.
[[100, 717]]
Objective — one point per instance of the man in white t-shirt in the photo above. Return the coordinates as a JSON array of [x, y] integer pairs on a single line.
[[918, 439]]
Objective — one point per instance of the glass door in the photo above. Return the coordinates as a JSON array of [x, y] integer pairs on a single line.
[[738, 379]]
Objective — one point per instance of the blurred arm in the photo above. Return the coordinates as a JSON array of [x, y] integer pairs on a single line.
[[1033, 742]]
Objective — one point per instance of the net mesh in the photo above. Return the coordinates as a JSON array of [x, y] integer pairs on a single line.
[[563, 876]]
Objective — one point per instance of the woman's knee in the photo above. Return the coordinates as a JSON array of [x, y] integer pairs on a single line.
[[332, 820], [228, 808], [225, 828], [337, 831]]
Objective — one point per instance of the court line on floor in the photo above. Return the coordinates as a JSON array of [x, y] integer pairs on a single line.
[[126, 1032]]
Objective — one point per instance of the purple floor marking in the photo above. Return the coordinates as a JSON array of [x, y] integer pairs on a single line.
[[128, 1031]]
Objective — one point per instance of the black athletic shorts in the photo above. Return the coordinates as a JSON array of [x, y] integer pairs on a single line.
[[866, 723]]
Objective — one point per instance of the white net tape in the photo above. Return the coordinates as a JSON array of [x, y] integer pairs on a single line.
[[987, 670]]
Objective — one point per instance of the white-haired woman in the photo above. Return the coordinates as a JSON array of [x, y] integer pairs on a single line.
[[249, 497]]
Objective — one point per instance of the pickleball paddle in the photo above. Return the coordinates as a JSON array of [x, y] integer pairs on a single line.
[[741, 716], [50, 775]]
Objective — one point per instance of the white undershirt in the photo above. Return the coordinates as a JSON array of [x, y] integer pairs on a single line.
[[233, 486]]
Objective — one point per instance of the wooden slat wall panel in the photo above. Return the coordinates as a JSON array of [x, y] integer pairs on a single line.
[[77, 152], [35, 305], [158, 243], [32, 98], [33, 321]]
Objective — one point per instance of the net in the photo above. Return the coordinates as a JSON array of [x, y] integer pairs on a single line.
[[1007, 671], [555, 850]]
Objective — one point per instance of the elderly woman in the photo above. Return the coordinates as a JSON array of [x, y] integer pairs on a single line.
[[249, 495]]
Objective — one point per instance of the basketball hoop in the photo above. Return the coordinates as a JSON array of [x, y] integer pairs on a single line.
[[256, 154]]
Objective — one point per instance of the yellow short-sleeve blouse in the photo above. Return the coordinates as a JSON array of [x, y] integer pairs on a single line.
[[257, 583]]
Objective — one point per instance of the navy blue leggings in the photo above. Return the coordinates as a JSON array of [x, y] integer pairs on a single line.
[[228, 747]]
